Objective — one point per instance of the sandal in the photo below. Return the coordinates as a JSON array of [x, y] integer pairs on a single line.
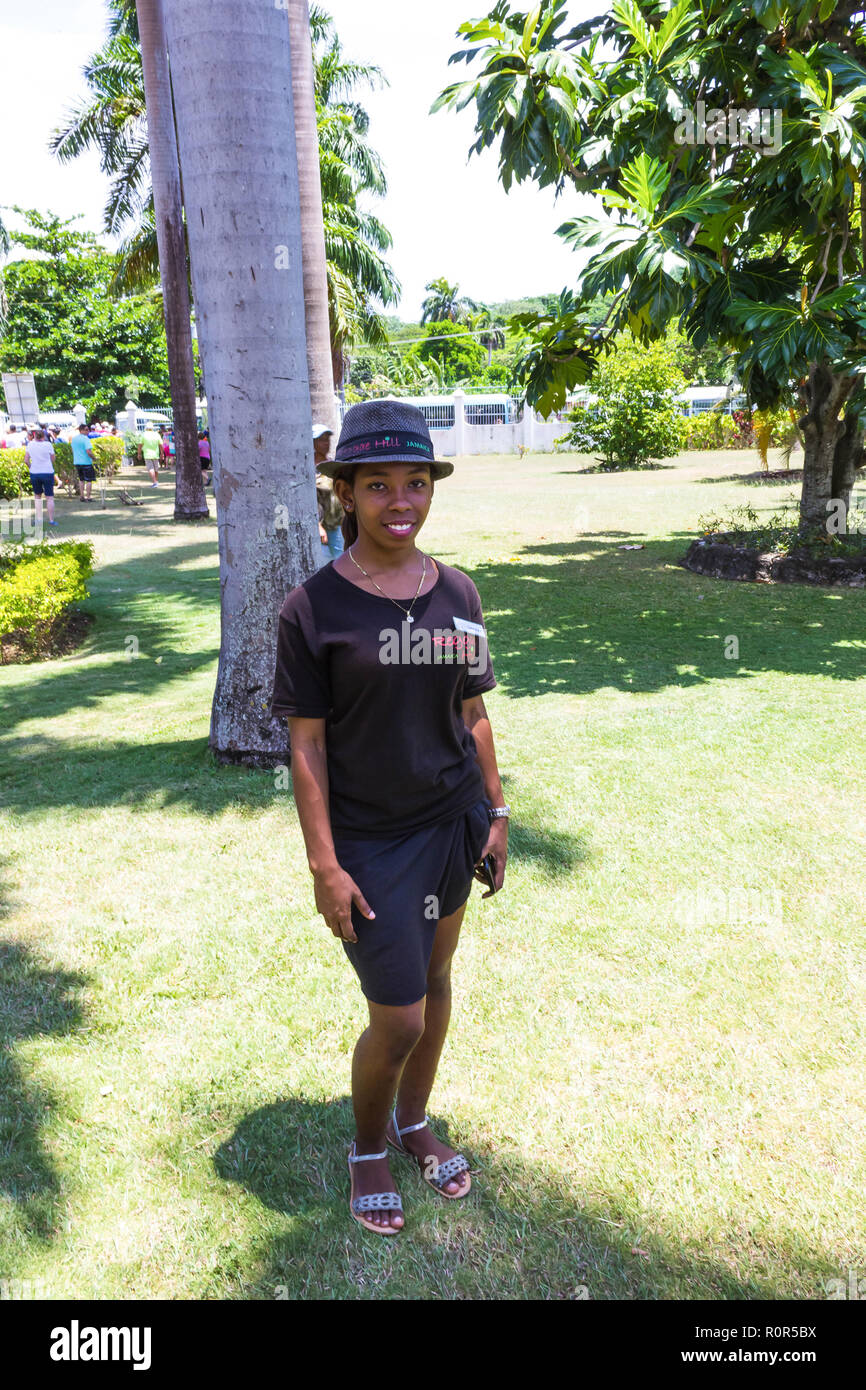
[[451, 1168], [373, 1201]]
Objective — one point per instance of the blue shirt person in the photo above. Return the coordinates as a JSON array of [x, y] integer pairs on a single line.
[[82, 457]]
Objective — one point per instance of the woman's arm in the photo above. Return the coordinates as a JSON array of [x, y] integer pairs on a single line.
[[335, 889], [310, 783], [477, 721]]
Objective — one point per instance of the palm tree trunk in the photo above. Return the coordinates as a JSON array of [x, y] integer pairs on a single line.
[[312, 218], [231, 74], [189, 497]]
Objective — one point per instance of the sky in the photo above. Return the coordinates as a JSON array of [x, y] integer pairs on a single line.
[[448, 215]]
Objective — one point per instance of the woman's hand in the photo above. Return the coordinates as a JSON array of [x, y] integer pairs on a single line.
[[497, 848], [323, 535], [335, 892]]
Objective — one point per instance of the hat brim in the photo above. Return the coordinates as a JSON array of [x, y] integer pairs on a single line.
[[439, 468]]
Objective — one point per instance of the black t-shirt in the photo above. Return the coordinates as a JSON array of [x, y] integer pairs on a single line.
[[399, 754]]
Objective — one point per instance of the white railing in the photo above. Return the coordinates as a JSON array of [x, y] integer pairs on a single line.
[[483, 424]]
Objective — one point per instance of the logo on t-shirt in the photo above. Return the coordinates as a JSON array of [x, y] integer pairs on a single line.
[[438, 646]]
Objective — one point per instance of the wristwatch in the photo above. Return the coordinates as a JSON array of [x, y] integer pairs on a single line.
[[494, 812]]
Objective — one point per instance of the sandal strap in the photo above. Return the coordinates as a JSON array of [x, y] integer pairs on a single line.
[[450, 1169], [362, 1158], [377, 1201], [408, 1129]]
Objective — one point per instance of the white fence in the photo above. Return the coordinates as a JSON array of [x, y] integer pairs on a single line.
[[138, 417], [500, 424], [695, 400], [491, 424], [482, 424]]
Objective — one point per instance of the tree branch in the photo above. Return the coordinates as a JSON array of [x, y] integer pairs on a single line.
[[823, 266]]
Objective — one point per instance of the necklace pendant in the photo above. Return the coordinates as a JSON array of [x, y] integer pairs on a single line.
[[409, 618]]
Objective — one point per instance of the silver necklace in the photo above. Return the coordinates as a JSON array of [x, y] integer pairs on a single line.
[[406, 611]]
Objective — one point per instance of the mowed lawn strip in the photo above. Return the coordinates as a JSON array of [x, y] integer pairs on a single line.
[[656, 1054]]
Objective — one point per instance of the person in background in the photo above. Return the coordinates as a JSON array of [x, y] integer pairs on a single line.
[[82, 457], [204, 456], [165, 455], [330, 512], [150, 450], [39, 457]]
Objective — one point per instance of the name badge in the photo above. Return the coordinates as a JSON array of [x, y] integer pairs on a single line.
[[464, 625]]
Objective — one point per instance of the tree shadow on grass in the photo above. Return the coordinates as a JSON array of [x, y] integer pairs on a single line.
[[759, 478], [596, 469], [45, 774], [637, 621], [522, 1233], [35, 1000], [569, 618]]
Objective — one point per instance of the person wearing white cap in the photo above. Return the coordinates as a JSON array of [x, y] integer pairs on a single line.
[[330, 510]]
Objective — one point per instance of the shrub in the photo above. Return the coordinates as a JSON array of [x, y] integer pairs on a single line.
[[782, 533], [14, 474], [743, 436], [712, 429], [635, 417], [107, 453], [37, 585], [744, 429]]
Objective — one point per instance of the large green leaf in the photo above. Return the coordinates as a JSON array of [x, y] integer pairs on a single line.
[[645, 180]]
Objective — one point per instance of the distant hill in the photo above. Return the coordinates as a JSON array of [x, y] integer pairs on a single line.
[[503, 309]]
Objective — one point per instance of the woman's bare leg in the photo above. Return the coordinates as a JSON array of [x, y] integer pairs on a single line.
[[419, 1073], [379, 1058]]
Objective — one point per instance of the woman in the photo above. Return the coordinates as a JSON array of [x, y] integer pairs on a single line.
[[330, 512], [204, 455], [395, 781], [39, 457], [166, 446]]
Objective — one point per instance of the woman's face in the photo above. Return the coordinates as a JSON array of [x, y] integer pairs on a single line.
[[391, 500]]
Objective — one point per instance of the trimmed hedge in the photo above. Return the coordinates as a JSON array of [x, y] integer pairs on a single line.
[[37, 585], [15, 475]]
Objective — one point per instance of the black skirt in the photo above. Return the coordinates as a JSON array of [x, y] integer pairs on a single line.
[[409, 881]]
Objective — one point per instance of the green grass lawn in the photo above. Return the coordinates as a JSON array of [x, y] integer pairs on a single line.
[[658, 1103]]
